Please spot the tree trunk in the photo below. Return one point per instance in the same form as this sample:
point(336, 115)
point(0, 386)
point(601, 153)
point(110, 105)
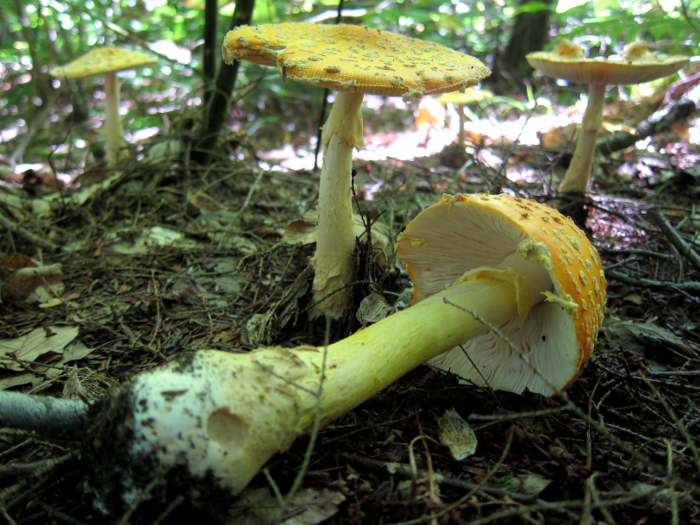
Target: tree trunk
point(530, 32)
point(210, 48)
point(225, 82)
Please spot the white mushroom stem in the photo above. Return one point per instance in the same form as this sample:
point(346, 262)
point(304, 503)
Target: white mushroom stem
point(333, 264)
point(113, 127)
point(460, 134)
point(579, 172)
point(227, 414)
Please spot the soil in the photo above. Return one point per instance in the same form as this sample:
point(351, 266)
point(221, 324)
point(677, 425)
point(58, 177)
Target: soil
point(619, 447)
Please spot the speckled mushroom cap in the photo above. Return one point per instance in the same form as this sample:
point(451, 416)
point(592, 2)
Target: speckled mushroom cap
point(103, 60)
point(633, 66)
point(466, 232)
point(470, 96)
point(355, 58)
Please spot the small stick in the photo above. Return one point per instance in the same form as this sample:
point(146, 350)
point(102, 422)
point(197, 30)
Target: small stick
point(22, 232)
point(687, 287)
point(675, 238)
point(47, 415)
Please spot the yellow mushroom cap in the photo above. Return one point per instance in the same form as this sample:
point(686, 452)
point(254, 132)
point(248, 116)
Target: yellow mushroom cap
point(103, 60)
point(470, 96)
point(463, 233)
point(355, 59)
point(634, 66)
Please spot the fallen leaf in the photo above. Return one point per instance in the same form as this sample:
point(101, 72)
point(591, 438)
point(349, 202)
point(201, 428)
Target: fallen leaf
point(457, 435)
point(35, 344)
point(373, 308)
point(307, 507)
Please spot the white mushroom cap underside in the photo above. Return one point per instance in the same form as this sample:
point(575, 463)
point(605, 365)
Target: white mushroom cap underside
point(611, 71)
point(548, 340)
point(458, 235)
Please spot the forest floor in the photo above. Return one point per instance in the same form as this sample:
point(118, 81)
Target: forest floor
point(164, 258)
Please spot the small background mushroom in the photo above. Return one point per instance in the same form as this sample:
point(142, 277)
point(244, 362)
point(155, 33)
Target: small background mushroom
point(107, 61)
point(633, 66)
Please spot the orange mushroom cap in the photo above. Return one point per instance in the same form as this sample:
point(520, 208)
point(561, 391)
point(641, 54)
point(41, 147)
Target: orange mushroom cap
point(355, 58)
point(466, 232)
point(634, 66)
point(103, 60)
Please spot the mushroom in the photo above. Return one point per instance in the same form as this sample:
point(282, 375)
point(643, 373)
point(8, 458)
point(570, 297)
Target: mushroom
point(214, 418)
point(462, 100)
point(471, 235)
point(633, 66)
point(107, 61)
point(352, 60)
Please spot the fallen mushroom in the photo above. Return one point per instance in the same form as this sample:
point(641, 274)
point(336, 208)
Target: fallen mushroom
point(107, 61)
point(352, 60)
point(633, 66)
point(440, 246)
point(208, 421)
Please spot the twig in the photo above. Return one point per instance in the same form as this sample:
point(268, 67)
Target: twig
point(405, 472)
point(47, 415)
point(634, 251)
point(22, 232)
point(676, 373)
point(679, 425)
point(657, 123)
point(675, 238)
point(686, 287)
point(62, 516)
point(299, 478)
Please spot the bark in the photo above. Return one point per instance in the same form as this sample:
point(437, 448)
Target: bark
point(530, 33)
point(210, 48)
point(221, 97)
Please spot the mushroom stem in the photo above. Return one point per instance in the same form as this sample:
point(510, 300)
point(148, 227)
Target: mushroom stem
point(579, 172)
point(333, 264)
point(114, 131)
point(461, 142)
point(225, 414)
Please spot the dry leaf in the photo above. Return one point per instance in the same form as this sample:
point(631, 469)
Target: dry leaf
point(373, 308)
point(259, 507)
point(35, 344)
point(457, 435)
point(20, 277)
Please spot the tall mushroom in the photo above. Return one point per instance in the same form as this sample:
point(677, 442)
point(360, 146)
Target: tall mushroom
point(107, 61)
point(633, 66)
point(214, 418)
point(352, 60)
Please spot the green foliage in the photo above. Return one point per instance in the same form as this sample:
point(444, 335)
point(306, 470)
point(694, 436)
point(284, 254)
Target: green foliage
point(53, 32)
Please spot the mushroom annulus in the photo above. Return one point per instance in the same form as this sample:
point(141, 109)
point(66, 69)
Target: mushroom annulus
point(354, 61)
point(212, 418)
point(107, 61)
point(633, 66)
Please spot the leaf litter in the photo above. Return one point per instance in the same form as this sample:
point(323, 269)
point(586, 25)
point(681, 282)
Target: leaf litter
point(165, 258)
